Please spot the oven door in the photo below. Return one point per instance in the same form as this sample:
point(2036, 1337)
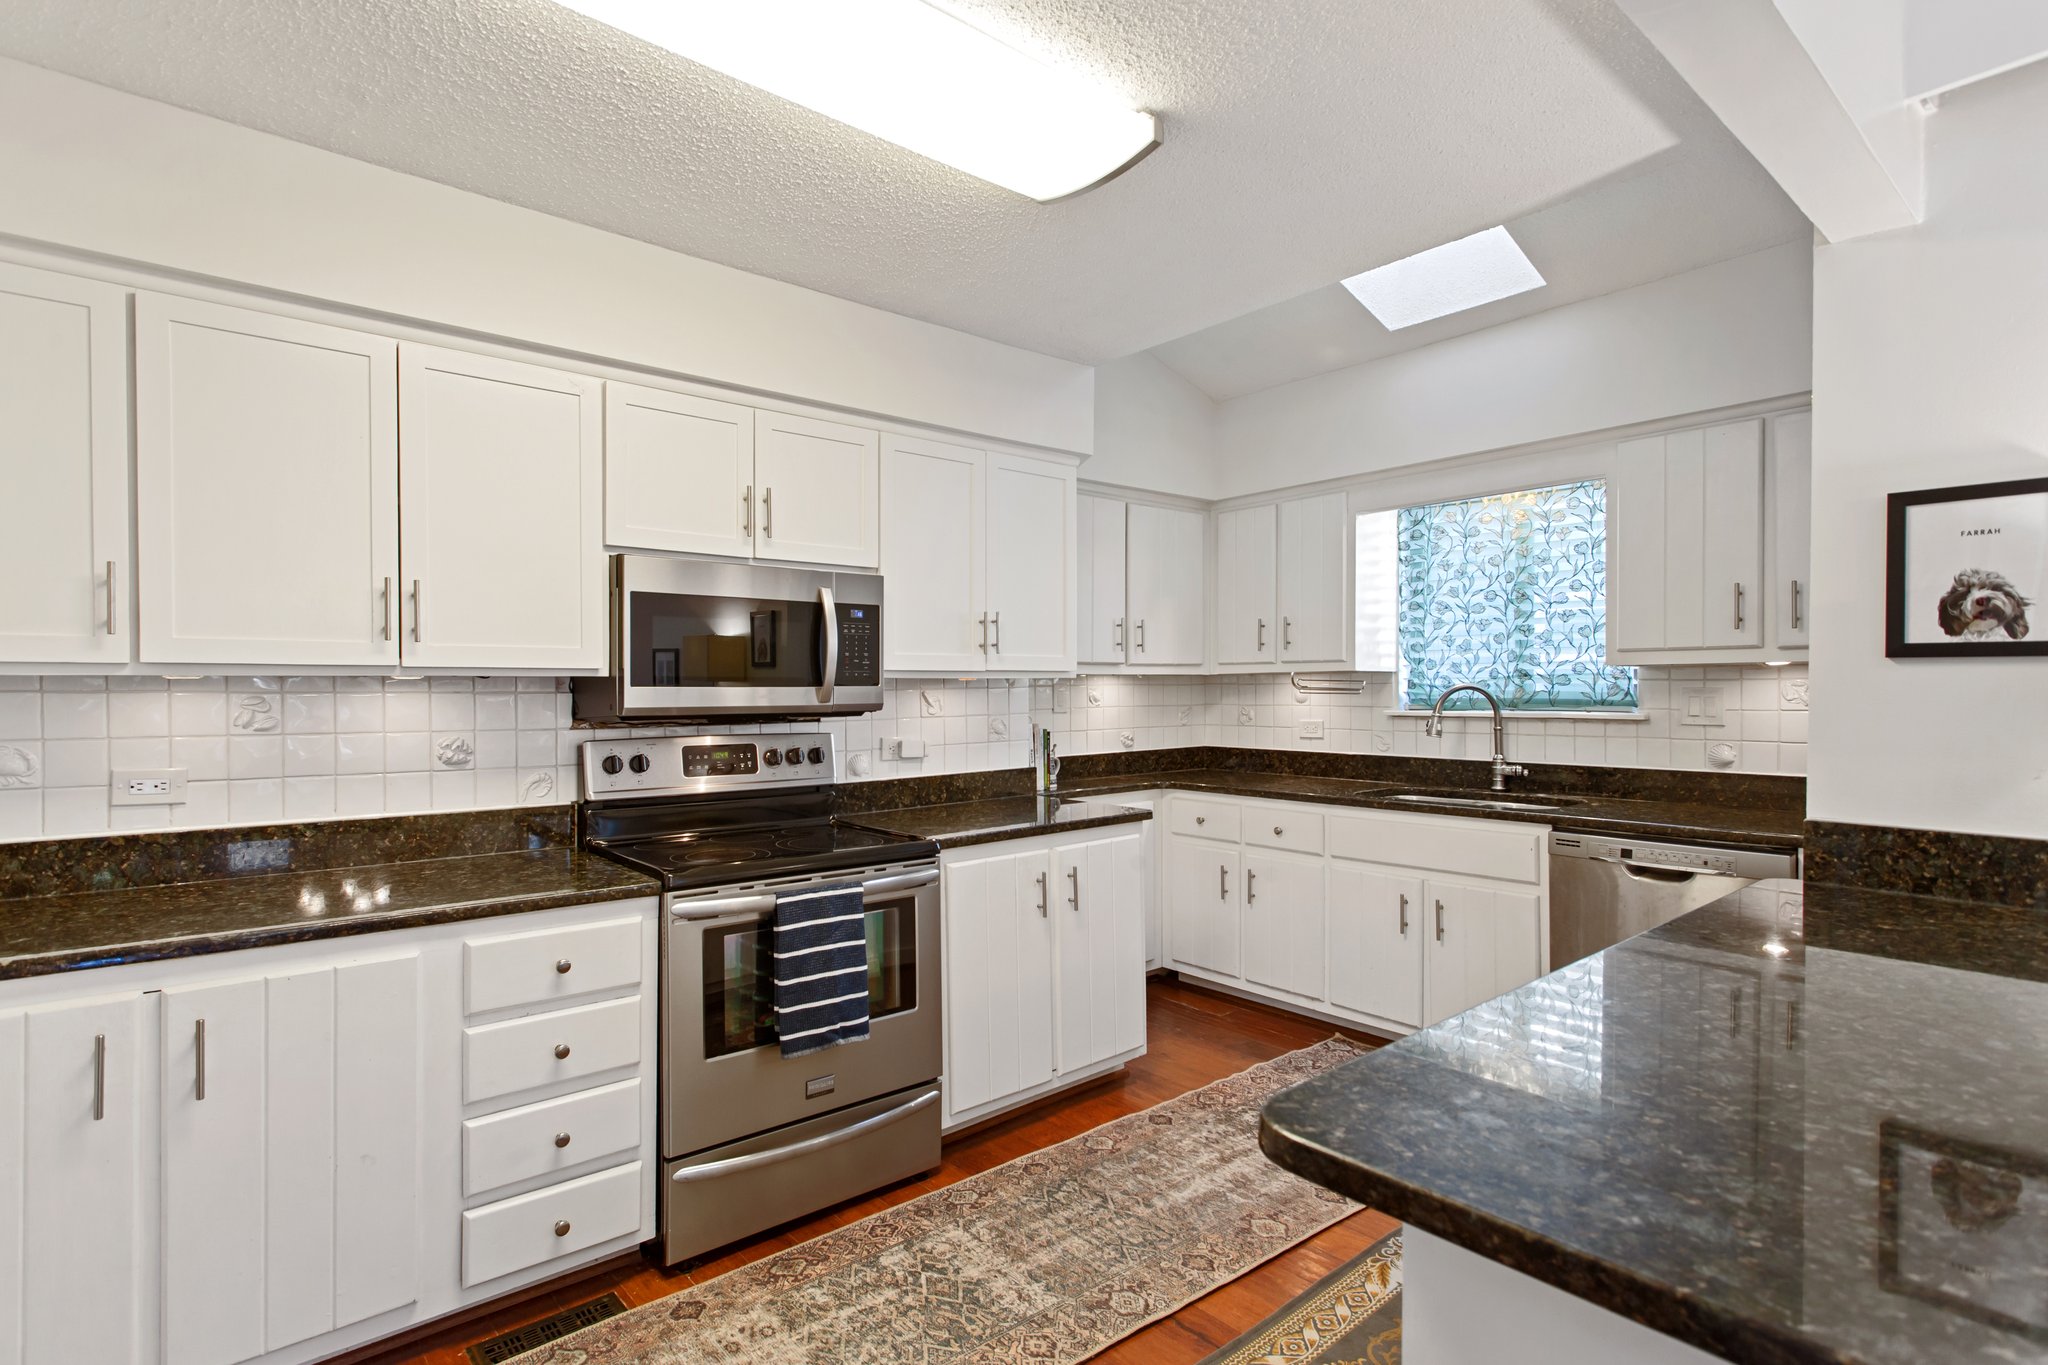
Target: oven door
point(703, 639)
point(724, 1073)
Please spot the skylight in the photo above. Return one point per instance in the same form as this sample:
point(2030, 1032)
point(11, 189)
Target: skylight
point(1446, 279)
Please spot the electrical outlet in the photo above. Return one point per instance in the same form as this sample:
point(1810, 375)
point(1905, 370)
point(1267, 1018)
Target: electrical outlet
point(1309, 729)
point(899, 747)
point(1700, 706)
point(148, 787)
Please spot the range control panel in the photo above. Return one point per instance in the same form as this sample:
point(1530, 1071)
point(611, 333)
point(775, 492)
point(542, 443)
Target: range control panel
point(678, 765)
point(860, 645)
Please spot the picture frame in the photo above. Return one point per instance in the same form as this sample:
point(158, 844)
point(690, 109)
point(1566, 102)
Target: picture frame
point(1953, 1215)
point(763, 632)
point(1963, 566)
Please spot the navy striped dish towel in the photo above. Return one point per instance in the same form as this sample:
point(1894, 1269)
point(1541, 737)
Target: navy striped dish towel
point(821, 968)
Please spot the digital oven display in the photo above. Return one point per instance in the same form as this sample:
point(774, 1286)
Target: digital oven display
point(720, 761)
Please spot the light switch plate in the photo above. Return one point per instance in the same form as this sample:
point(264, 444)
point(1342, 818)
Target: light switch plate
point(147, 787)
point(1700, 706)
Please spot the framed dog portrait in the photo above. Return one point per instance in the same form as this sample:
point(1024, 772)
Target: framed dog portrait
point(1964, 567)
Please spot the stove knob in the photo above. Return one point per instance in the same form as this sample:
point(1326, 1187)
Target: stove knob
point(772, 757)
point(817, 755)
point(794, 755)
point(612, 764)
point(640, 763)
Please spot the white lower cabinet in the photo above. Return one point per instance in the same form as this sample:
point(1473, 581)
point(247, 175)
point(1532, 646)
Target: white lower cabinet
point(1376, 938)
point(1283, 922)
point(1044, 967)
point(1201, 884)
point(1483, 940)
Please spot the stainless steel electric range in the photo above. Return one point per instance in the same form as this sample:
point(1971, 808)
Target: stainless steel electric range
point(749, 1138)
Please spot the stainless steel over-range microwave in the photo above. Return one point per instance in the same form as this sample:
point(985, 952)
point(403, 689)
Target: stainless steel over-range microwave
point(693, 640)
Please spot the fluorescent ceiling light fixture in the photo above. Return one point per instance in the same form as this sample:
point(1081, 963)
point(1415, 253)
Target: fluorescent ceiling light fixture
point(910, 74)
point(1446, 279)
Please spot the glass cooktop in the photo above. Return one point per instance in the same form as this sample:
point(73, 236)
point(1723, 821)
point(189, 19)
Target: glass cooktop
point(716, 857)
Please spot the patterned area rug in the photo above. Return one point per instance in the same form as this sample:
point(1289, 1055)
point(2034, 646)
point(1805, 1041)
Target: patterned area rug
point(1044, 1260)
point(1352, 1317)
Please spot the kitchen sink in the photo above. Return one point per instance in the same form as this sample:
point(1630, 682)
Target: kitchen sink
point(1459, 802)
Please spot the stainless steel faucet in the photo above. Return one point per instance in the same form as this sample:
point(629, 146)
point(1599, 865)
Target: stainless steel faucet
point(1502, 769)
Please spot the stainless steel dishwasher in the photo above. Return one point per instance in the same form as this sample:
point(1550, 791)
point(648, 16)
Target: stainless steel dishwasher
point(1605, 888)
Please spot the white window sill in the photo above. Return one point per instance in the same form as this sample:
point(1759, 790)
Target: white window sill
point(1487, 716)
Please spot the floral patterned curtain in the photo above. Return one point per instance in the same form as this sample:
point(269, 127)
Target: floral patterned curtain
point(1509, 592)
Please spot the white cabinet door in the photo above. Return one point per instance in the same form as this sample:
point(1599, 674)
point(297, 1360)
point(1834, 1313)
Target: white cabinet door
point(1030, 565)
point(998, 977)
point(502, 548)
point(266, 478)
point(1101, 596)
point(72, 1162)
point(1376, 934)
point(1202, 888)
point(1283, 923)
point(1168, 601)
point(1315, 549)
point(1685, 560)
point(818, 486)
point(678, 472)
point(65, 568)
point(1483, 940)
point(1791, 505)
point(1732, 532)
point(1247, 592)
point(1100, 932)
point(934, 556)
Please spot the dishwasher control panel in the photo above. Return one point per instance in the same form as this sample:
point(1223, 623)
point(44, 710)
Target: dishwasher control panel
point(1757, 863)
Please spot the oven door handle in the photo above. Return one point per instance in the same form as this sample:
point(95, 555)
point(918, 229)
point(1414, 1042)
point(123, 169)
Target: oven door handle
point(829, 609)
point(740, 907)
point(712, 1170)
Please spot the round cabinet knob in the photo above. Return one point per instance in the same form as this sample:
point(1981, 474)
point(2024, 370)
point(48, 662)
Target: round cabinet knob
point(561, 1139)
point(561, 1052)
point(793, 755)
point(640, 763)
point(1201, 819)
point(816, 755)
point(562, 1227)
point(1278, 831)
point(613, 764)
point(772, 757)
point(562, 966)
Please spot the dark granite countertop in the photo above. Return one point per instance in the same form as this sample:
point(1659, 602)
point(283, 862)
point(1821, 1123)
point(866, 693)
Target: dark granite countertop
point(1780, 1140)
point(1758, 825)
point(961, 823)
point(40, 935)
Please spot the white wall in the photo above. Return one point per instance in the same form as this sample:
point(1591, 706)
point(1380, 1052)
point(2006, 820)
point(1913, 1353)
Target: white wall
point(91, 169)
point(1734, 332)
point(1153, 429)
point(1930, 370)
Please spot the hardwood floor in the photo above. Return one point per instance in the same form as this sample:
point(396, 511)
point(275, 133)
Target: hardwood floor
point(1195, 1037)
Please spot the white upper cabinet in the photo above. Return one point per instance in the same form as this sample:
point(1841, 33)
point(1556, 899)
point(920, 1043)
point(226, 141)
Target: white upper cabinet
point(978, 558)
point(1315, 620)
point(678, 472)
point(1685, 567)
point(503, 541)
point(1247, 585)
point(934, 558)
point(1101, 628)
point(266, 488)
point(1789, 493)
point(1166, 606)
point(65, 567)
point(818, 491)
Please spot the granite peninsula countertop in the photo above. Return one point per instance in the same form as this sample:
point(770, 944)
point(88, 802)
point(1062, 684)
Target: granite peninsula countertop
point(40, 935)
point(1780, 1139)
point(1652, 819)
point(962, 823)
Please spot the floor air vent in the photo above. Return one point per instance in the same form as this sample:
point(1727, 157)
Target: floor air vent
point(554, 1327)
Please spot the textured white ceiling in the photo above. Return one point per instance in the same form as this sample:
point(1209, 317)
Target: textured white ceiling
point(1305, 140)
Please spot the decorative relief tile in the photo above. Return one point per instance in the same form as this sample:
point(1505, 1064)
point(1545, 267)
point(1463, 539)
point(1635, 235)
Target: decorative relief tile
point(255, 714)
point(456, 751)
point(18, 767)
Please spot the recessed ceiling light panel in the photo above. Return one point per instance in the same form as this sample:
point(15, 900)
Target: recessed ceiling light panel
point(1446, 279)
point(910, 74)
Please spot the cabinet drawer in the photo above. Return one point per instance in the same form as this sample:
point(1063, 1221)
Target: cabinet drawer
point(531, 1229)
point(519, 1054)
point(520, 1144)
point(550, 964)
point(1290, 827)
point(1473, 848)
point(1205, 819)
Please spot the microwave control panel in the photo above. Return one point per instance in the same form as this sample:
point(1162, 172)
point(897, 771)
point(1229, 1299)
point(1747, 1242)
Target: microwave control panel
point(860, 645)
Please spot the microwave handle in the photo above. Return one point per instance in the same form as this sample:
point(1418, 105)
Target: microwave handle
point(830, 610)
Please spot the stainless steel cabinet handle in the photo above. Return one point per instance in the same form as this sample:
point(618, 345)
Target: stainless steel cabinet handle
point(387, 608)
point(415, 611)
point(198, 1059)
point(1262, 633)
point(110, 597)
point(99, 1076)
point(562, 1227)
point(1286, 632)
point(1738, 606)
point(562, 966)
point(1735, 1012)
point(1141, 636)
point(997, 619)
point(1222, 881)
point(1798, 608)
point(1791, 1025)
point(1439, 921)
point(1119, 632)
point(561, 1139)
point(1251, 881)
point(768, 513)
point(1074, 887)
point(1044, 895)
point(561, 1052)
point(984, 632)
point(747, 511)
point(1404, 917)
